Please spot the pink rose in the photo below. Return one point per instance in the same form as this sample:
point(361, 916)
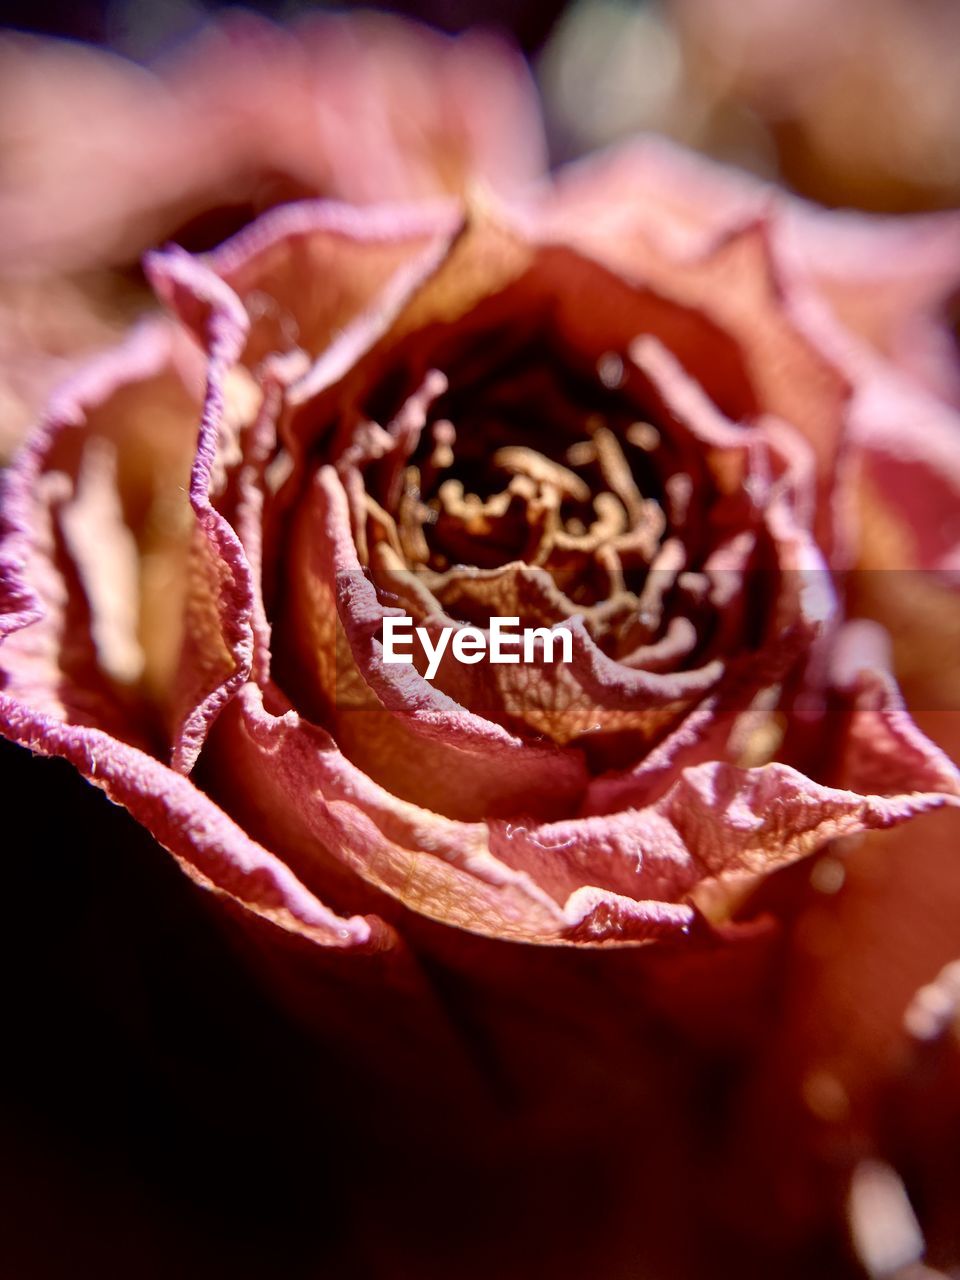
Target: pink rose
point(632, 405)
point(407, 407)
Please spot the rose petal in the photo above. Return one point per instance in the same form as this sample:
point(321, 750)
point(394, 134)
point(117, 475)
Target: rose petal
point(727, 266)
point(305, 271)
point(888, 281)
point(218, 637)
point(327, 815)
point(885, 279)
point(329, 812)
point(407, 733)
point(211, 848)
point(132, 411)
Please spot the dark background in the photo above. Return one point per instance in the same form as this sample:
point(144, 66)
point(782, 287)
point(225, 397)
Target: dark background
point(114, 24)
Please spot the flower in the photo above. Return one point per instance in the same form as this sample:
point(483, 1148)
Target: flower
point(712, 431)
point(600, 408)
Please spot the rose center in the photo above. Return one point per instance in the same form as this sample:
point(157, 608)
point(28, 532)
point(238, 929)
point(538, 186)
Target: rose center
point(582, 517)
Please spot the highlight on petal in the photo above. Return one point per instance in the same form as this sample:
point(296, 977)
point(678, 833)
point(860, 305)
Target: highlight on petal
point(328, 814)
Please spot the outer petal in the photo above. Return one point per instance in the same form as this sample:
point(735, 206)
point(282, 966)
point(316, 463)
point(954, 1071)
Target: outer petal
point(134, 601)
point(74, 708)
point(403, 112)
point(210, 847)
point(330, 817)
point(321, 242)
point(218, 645)
point(304, 273)
point(886, 279)
point(724, 265)
point(598, 879)
point(72, 555)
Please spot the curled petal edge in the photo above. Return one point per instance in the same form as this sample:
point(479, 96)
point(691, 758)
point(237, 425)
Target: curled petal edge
point(208, 845)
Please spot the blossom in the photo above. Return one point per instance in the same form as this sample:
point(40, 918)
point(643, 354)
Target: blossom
point(592, 407)
point(709, 430)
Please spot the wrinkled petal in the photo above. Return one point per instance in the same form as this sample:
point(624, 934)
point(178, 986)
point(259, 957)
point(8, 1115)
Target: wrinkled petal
point(109, 461)
point(887, 280)
point(212, 849)
point(335, 813)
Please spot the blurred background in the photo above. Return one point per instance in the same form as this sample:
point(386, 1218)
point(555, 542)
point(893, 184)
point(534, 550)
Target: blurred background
point(124, 124)
point(849, 103)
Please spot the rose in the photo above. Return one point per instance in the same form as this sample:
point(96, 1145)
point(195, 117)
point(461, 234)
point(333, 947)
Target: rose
point(608, 801)
point(199, 565)
point(101, 158)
